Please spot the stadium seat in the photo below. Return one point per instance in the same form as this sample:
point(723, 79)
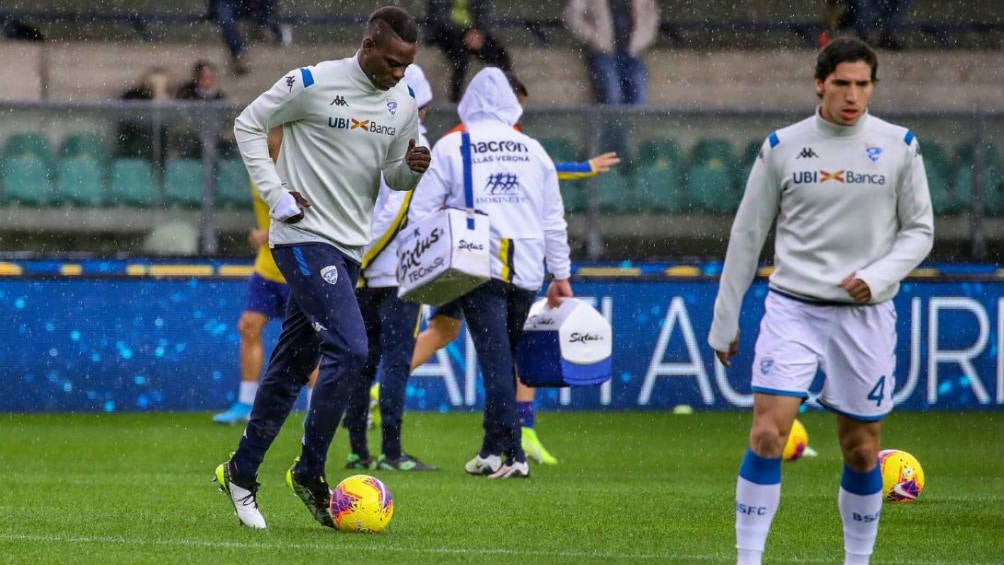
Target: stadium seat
point(615, 193)
point(233, 187)
point(710, 181)
point(939, 178)
point(90, 145)
point(574, 194)
point(660, 165)
point(132, 183)
point(80, 180)
point(661, 152)
point(35, 144)
point(708, 149)
point(992, 177)
point(560, 149)
point(711, 187)
point(658, 189)
point(183, 182)
point(26, 180)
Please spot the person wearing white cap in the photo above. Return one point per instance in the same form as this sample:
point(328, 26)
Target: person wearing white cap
point(390, 323)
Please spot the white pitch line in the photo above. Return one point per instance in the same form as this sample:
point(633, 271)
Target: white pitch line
point(381, 548)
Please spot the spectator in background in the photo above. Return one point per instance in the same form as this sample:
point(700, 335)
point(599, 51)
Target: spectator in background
point(462, 28)
point(137, 135)
point(262, 12)
point(615, 34)
point(186, 142)
point(866, 16)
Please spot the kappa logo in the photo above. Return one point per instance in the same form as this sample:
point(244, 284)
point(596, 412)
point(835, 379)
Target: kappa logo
point(363, 125)
point(290, 81)
point(339, 101)
point(330, 274)
point(807, 153)
point(826, 175)
point(318, 327)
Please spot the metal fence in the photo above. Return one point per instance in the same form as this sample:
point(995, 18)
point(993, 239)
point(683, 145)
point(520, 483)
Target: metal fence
point(70, 182)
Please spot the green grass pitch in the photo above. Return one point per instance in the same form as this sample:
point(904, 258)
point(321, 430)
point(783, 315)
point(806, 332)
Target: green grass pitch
point(631, 487)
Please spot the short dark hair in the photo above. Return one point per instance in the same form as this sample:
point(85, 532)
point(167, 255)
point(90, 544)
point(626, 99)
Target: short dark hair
point(396, 20)
point(845, 50)
point(518, 88)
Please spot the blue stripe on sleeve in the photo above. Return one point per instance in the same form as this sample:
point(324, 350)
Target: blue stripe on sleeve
point(773, 140)
point(573, 167)
point(411, 92)
point(308, 77)
point(760, 470)
point(909, 137)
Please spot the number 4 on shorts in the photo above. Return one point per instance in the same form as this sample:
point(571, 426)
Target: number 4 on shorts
point(878, 391)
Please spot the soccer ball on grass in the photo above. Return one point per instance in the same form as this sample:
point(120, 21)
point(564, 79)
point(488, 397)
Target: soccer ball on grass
point(902, 476)
point(361, 503)
point(798, 440)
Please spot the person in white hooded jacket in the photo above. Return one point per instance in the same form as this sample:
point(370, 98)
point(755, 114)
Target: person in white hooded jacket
point(390, 323)
point(516, 185)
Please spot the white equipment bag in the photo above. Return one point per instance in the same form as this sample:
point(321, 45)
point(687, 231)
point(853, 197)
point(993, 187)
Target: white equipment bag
point(566, 346)
point(446, 254)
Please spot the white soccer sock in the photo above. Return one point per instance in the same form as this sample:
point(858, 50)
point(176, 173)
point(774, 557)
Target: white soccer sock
point(758, 493)
point(247, 391)
point(860, 511)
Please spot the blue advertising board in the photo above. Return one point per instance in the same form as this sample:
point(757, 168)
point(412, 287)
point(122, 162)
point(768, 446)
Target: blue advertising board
point(118, 343)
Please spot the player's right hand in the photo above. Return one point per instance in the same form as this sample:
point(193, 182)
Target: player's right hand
point(725, 356)
point(290, 208)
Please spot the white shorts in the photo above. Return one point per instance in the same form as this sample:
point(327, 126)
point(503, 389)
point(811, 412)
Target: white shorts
point(855, 346)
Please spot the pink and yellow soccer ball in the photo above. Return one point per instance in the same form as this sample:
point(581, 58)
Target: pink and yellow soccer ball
point(798, 440)
point(902, 476)
point(361, 503)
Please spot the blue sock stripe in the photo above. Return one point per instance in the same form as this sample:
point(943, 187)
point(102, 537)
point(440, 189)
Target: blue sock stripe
point(760, 470)
point(301, 261)
point(856, 482)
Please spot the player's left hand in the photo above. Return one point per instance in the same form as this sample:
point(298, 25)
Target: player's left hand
point(557, 291)
point(418, 158)
point(856, 289)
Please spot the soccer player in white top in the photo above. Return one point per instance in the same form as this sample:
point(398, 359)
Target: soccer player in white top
point(849, 194)
point(516, 185)
point(344, 124)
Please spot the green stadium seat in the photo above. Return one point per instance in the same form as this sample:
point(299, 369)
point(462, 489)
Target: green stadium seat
point(658, 189)
point(660, 152)
point(708, 149)
point(26, 180)
point(233, 186)
point(574, 195)
point(183, 182)
point(711, 187)
point(28, 144)
point(132, 183)
point(615, 193)
point(80, 180)
point(560, 149)
point(939, 178)
point(992, 177)
point(90, 145)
